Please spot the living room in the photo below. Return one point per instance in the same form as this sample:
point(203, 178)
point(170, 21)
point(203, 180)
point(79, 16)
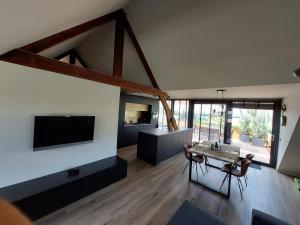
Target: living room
point(149, 112)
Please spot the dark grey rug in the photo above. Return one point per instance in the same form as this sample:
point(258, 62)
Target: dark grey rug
point(188, 214)
point(255, 166)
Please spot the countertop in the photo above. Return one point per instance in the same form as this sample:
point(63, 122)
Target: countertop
point(135, 124)
point(160, 132)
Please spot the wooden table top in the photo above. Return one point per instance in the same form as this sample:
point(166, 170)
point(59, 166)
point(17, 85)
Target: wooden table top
point(228, 153)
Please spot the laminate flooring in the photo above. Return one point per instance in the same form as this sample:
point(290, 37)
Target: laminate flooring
point(152, 194)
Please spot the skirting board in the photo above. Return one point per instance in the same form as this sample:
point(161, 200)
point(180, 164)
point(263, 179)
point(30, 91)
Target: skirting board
point(92, 177)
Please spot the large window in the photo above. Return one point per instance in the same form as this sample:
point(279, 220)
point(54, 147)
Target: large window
point(180, 111)
point(181, 108)
point(162, 119)
point(209, 122)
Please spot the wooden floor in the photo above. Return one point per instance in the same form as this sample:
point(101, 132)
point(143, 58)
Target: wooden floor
point(151, 195)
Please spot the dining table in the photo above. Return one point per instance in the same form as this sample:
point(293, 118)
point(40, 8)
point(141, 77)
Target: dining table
point(225, 153)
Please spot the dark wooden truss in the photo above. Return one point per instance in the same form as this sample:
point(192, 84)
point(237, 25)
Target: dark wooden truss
point(28, 56)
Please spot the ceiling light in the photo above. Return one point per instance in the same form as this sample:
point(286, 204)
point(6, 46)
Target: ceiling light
point(220, 92)
point(220, 97)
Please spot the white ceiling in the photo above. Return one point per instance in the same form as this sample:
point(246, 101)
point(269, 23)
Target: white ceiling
point(264, 91)
point(23, 22)
point(192, 46)
point(196, 44)
point(66, 45)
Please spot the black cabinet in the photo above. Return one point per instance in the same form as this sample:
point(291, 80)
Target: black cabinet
point(128, 133)
point(41, 196)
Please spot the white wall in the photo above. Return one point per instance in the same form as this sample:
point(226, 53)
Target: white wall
point(26, 92)
point(293, 111)
point(290, 163)
point(288, 160)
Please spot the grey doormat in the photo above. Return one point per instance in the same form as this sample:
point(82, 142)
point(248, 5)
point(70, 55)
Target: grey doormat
point(255, 166)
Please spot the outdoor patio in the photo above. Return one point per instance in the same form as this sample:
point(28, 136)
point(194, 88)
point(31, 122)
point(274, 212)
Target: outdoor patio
point(262, 154)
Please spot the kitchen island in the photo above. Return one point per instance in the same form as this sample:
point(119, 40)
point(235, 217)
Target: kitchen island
point(157, 145)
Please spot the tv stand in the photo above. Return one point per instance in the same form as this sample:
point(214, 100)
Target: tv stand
point(41, 196)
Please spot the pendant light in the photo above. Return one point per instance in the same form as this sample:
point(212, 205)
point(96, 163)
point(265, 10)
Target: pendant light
point(220, 96)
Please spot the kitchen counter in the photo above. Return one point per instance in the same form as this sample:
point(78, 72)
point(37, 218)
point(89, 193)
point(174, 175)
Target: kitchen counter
point(157, 145)
point(135, 124)
point(160, 132)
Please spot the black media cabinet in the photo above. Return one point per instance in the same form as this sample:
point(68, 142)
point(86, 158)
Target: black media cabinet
point(41, 196)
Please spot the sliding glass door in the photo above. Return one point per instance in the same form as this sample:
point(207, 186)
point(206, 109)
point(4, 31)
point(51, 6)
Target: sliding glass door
point(180, 110)
point(162, 119)
point(209, 122)
point(252, 130)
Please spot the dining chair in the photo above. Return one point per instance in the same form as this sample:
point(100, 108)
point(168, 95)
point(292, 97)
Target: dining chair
point(231, 169)
point(205, 157)
point(250, 157)
point(195, 143)
point(196, 159)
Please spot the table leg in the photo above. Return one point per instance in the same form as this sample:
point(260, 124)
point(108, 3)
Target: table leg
point(229, 186)
point(190, 168)
point(223, 193)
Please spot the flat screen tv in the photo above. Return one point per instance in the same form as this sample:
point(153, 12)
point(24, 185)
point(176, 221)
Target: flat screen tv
point(58, 130)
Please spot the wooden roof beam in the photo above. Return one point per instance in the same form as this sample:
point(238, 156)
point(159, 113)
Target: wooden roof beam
point(139, 51)
point(119, 45)
point(57, 38)
point(29, 59)
point(27, 56)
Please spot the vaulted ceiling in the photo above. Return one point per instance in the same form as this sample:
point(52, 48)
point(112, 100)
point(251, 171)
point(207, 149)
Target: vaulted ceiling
point(192, 44)
point(23, 22)
point(197, 44)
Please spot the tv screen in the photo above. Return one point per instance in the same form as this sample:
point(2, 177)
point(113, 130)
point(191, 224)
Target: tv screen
point(57, 130)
